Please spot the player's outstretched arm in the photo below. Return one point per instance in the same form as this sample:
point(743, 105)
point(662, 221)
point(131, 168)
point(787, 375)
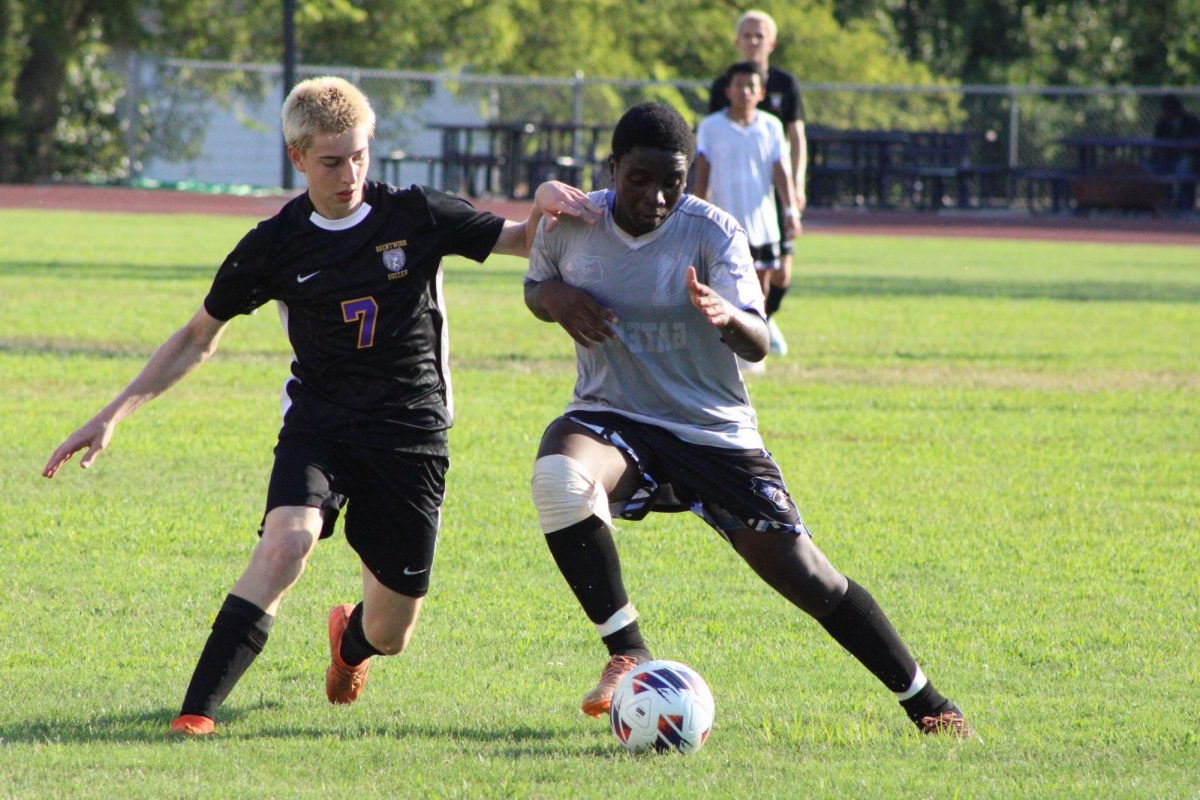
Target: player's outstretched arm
point(552, 200)
point(186, 349)
point(575, 310)
point(743, 331)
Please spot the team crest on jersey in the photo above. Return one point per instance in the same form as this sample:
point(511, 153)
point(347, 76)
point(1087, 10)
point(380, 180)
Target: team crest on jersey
point(394, 258)
point(776, 99)
point(774, 492)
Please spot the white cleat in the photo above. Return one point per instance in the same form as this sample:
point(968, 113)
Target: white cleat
point(778, 343)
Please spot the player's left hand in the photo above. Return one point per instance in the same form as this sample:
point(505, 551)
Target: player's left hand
point(556, 198)
point(791, 227)
point(707, 301)
point(801, 206)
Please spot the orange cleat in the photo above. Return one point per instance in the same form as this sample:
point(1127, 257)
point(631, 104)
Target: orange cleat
point(343, 683)
point(192, 725)
point(597, 702)
point(948, 723)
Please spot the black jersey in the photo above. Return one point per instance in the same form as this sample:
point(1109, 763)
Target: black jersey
point(782, 96)
point(361, 301)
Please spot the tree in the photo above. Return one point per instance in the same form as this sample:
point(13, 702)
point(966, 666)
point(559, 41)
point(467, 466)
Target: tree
point(1063, 42)
point(45, 58)
point(63, 76)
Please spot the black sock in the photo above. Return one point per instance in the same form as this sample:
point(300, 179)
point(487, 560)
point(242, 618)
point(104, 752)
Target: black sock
point(926, 703)
point(627, 642)
point(775, 298)
point(239, 634)
point(355, 647)
point(587, 557)
point(859, 625)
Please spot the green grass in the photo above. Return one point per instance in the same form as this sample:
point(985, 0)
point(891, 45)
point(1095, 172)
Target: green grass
point(998, 439)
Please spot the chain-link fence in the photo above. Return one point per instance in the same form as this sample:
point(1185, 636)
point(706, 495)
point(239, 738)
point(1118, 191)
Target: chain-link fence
point(218, 123)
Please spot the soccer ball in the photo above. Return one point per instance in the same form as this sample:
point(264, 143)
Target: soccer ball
point(662, 705)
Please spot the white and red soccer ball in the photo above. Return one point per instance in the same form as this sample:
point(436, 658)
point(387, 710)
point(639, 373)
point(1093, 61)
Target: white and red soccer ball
point(664, 706)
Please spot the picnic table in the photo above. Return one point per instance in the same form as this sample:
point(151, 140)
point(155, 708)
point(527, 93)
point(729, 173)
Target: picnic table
point(508, 159)
point(852, 161)
point(1093, 152)
point(1119, 172)
point(925, 169)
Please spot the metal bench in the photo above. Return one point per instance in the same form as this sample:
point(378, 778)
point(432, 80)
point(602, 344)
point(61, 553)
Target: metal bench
point(929, 165)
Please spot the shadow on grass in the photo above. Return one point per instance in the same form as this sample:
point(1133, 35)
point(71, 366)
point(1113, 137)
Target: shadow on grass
point(511, 742)
point(116, 272)
point(151, 727)
point(72, 348)
point(41, 347)
point(147, 726)
point(1080, 291)
point(890, 286)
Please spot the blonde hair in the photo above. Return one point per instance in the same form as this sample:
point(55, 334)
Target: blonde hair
point(324, 105)
point(762, 17)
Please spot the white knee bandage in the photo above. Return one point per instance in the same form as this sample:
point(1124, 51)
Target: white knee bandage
point(564, 493)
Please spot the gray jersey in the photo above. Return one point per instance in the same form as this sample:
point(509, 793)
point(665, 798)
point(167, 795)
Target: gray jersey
point(667, 365)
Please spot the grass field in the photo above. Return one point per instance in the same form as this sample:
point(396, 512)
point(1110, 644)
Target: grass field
point(999, 439)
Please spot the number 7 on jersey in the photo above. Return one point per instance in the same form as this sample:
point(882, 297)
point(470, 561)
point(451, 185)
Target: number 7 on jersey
point(364, 311)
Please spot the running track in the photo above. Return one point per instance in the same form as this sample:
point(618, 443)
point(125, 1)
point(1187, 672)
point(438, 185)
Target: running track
point(1116, 229)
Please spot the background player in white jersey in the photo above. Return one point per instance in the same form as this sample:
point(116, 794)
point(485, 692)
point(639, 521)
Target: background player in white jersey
point(355, 266)
point(742, 164)
point(659, 296)
point(754, 36)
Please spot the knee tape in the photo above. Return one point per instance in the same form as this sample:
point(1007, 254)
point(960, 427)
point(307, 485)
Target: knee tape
point(564, 493)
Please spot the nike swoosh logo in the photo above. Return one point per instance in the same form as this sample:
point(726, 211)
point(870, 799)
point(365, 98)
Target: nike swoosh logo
point(408, 571)
point(303, 278)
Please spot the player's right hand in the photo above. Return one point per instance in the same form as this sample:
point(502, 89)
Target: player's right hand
point(95, 436)
point(577, 312)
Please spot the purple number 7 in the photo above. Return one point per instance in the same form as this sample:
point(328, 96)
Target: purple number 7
point(363, 311)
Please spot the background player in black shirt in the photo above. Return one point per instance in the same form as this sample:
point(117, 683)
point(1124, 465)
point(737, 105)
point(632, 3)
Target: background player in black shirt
point(754, 37)
point(355, 266)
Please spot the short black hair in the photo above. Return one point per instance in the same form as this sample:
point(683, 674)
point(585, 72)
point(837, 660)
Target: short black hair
point(654, 125)
point(745, 68)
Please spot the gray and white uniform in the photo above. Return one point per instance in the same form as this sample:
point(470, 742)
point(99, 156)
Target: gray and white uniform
point(667, 365)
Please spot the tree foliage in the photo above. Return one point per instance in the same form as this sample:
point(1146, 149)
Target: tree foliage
point(1044, 42)
point(63, 78)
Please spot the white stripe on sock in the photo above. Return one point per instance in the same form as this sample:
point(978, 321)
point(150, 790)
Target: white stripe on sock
point(918, 683)
point(623, 616)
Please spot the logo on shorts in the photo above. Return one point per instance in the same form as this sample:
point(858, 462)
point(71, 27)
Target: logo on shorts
point(774, 492)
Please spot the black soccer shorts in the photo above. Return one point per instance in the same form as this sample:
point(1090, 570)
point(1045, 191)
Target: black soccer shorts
point(392, 499)
point(766, 256)
point(728, 488)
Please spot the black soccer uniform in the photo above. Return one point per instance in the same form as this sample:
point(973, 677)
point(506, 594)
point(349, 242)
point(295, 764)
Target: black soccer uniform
point(368, 403)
